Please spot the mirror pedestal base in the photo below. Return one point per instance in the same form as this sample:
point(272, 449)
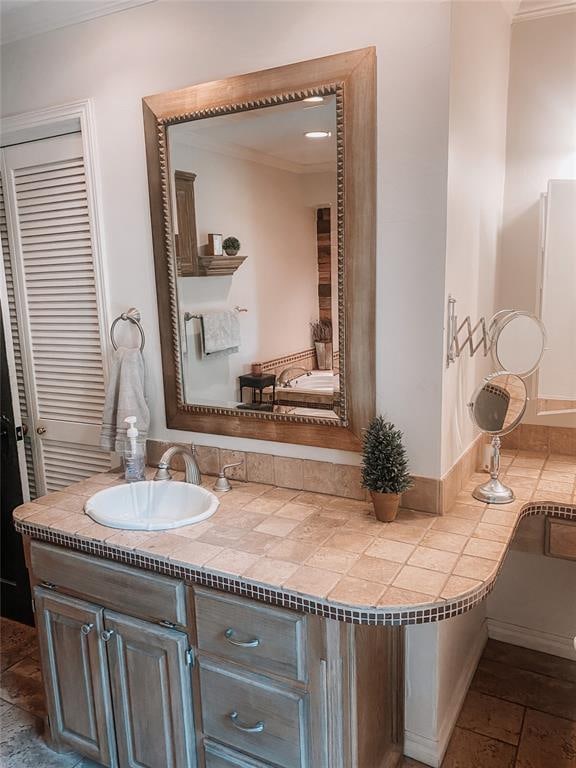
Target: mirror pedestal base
point(493, 492)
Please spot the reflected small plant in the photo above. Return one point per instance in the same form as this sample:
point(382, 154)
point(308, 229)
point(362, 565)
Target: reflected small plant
point(321, 331)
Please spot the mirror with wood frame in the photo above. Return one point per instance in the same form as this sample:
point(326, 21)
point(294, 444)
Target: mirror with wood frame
point(262, 195)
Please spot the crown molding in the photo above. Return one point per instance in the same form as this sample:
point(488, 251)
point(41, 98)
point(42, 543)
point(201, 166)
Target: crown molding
point(36, 18)
point(538, 10)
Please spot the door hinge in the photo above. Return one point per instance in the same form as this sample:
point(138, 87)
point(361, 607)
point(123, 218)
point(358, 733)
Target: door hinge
point(19, 434)
point(189, 656)
point(33, 605)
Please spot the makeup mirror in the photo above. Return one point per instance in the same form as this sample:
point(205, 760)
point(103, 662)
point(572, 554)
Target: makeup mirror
point(497, 408)
point(518, 341)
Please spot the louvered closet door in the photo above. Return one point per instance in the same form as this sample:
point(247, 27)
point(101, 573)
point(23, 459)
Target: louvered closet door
point(57, 307)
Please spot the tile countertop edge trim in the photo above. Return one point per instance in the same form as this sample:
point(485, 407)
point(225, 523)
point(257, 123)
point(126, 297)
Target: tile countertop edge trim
point(384, 616)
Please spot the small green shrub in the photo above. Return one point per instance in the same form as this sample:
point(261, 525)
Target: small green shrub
point(384, 461)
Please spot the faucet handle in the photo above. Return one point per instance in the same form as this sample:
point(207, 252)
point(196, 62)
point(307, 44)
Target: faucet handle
point(222, 483)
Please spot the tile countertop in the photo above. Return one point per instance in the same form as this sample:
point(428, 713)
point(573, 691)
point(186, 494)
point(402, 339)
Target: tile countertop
point(326, 554)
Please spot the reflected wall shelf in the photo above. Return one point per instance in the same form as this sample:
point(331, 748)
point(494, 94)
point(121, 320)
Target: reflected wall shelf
point(215, 266)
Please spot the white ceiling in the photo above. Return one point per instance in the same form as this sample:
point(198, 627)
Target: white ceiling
point(532, 9)
point(273, 135)
point(24, 18)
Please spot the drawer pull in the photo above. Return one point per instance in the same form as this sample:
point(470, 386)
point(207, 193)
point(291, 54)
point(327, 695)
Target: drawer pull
point(106, 634)
point(229, 635)
point(256, 728)
point(86, 629)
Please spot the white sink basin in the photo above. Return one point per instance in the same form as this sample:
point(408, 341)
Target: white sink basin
point(151, 505)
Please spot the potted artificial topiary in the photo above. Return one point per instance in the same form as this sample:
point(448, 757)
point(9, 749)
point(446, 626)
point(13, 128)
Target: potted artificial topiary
point(384, 467)
point(231, 246)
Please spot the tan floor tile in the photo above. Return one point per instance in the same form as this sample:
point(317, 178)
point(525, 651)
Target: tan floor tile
point(374, 569)
point(350, 542)
point(559, 498)
point(454, 525)
point(312, 581)
point(396, 551)
point(532, 661)
point(492, 717)
point(21, 685)
point(474, 567)
point(491, 550)
point(459, 585)
point(292, 551)
point(16, 641)
point(547, 742)
point(420, 580)
point(447, 542)
point(547, 694)
point(244, 519)
point(410, 534)
point(468, 500)
point(543, 485)
point(196, 530)
point(294, 511)
point(471, 750)
point(129, 539)
point(268, 570)
point(356, 592)
point(314, 499)
point(332, 559)
point(434, 559)
point(231, 562)
point(277, 526)
point(396, 596)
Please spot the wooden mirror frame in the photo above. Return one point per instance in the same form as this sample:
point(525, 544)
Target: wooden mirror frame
point(351, 76)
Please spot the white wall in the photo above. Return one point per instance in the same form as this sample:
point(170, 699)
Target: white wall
point(480, 46)
point(441, 659)
point(541, 145)
point(118, 59)
point(534, 603)
point(275, 220)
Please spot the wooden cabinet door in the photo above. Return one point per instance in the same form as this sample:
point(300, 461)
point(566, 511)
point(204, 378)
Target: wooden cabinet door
point(75, 675)
point(151, 693)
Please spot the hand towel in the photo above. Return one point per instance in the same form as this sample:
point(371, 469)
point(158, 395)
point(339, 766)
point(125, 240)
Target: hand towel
point(124, 397)
point(220, 331)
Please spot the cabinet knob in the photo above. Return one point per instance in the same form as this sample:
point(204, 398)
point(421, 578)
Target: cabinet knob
point(240, 726)
point(41, 430)
point(86, 628)
point(106, 634)
point(229, 635)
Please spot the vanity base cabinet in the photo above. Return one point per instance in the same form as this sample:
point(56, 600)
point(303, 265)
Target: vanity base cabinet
point(118, 689)
point(75, 675)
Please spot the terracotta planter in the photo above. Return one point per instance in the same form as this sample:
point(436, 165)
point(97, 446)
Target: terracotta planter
point(385, 505)
point(231, 251)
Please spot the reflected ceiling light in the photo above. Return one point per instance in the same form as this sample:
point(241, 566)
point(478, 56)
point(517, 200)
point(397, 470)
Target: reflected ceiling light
point(317, 134)
point(314, 99)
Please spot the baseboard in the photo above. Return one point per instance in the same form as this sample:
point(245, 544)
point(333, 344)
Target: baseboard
point(431, 751)
point(535, 639)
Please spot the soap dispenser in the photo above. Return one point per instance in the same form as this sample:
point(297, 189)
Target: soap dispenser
point(134, 453)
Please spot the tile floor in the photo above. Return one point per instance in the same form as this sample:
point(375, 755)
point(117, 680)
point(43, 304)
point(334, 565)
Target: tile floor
point(520, 711)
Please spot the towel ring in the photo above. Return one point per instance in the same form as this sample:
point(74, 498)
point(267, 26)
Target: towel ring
point(133, 315)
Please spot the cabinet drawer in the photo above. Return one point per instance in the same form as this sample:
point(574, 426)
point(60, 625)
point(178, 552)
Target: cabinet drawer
point(263, 638)
point(131, 590)
point(254, 715)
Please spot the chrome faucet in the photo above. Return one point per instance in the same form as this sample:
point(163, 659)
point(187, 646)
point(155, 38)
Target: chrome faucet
point(191, 466)
point(284, 378)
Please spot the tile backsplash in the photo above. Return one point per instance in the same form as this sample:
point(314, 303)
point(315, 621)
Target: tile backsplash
point(300, 474)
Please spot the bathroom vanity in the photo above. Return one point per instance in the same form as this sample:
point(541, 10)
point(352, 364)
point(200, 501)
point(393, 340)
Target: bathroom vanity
point(165, 649)
point(143, 669)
